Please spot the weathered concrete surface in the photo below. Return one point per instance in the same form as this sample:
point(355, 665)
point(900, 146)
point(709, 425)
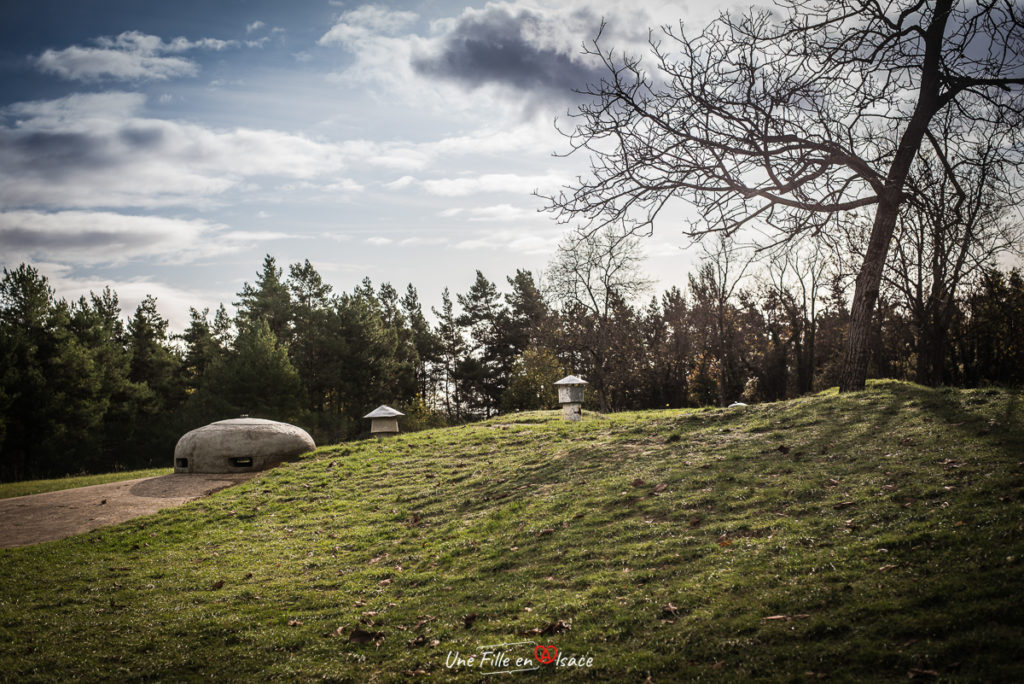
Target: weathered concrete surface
point(54, 515)
point(239, 445)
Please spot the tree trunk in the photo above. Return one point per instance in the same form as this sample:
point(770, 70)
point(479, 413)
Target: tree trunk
point(855, 360)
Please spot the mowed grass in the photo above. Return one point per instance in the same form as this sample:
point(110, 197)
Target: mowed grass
point(874, 536)
point(9, 489)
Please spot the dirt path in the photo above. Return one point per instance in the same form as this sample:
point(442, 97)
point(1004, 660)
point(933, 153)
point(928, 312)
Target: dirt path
point(54, 515)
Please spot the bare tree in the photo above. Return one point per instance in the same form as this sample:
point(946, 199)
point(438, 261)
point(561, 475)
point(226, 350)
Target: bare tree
point(958, 225)
point(797, 277)
point(714, 287)
point(788, 124)
point(591, 277)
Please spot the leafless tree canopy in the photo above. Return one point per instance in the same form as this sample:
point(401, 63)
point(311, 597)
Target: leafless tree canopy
point(785, 121)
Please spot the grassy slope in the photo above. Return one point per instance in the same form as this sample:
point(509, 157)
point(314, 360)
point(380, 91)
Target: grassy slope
point(9, 489)
point(889, 536)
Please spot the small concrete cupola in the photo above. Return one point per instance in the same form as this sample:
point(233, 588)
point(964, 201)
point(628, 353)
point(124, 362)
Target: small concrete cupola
point(384, 420)
point(239, 445)
point(570, 396)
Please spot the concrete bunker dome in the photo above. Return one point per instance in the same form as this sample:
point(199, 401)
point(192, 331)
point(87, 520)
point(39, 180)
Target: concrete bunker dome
point(239, 445)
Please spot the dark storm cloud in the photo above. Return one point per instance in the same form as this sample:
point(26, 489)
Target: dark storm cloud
point(495, 46)
point(31, 239)
point(54, 155)
point(143, 138)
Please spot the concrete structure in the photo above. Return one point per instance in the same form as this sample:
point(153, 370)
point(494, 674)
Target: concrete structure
point(570, 396)
point(239, 445)
point(384, 420)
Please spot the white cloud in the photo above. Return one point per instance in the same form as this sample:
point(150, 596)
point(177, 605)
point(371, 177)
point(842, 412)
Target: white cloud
point(130, 56)
point(502, 213)
point(366, 22)
point(422, 241)
point(99, 151)
point(492, 182)
point(173, 302)
point(403, 182)
point(103, 237)
point(345, 185)
point(254, 26)
point(520, 241)
point(379, 241)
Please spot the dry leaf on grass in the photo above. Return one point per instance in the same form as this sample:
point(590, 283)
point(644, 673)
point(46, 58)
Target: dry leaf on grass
point(361, 636)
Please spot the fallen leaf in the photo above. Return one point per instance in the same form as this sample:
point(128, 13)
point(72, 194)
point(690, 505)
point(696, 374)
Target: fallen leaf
point(360, 604)
point(886, 568)
point(295, 623)
point(776, 617)
point(669, 610)
point(546, 531)
point(217, 585)
point(557, 627)
point(844, 504)
point(914, 673)
point(384, 582)
point(435, 643)
point(418, 641)
point(360, 636)
point(660, 487)
point(468, 620)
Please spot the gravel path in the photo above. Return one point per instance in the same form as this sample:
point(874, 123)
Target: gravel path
point(54, 515)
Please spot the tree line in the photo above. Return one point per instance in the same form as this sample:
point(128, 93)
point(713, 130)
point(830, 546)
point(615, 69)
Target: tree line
point(83, 389)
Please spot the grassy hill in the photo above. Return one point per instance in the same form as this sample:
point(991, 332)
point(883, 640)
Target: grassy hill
point(26, 487)
point(874, 536)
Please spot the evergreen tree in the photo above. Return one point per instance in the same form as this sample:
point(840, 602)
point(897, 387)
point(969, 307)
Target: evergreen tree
point(451, 351)
point(268, 300)
point(484, 371)
point(255, 378)
point(311, 315)
point(49, 380)
point(424, 340)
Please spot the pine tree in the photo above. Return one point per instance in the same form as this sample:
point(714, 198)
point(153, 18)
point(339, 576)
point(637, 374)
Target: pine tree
point(452, 350)
point(268, 300)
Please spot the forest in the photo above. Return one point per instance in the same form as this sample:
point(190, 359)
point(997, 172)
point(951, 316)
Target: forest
point(85, 388)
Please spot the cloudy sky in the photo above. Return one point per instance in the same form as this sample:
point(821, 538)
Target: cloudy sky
point(166, 147)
